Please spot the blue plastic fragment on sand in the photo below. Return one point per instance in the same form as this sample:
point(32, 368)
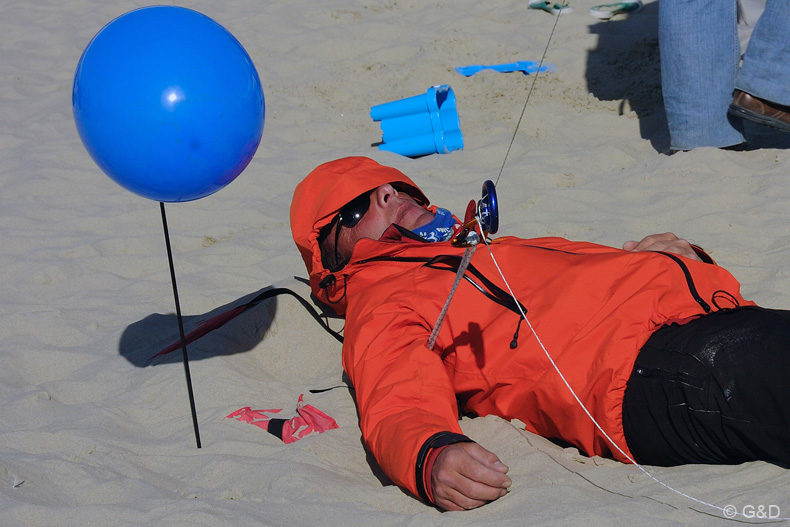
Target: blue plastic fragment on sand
point(525, 66)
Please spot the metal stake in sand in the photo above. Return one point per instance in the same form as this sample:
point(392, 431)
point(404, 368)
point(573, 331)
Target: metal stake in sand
point(180, 325)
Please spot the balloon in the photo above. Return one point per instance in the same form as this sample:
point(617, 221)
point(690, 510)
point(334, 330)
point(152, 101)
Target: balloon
point(168, 103)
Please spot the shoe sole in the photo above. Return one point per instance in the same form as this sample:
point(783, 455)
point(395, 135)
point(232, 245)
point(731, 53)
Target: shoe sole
point(759, 118)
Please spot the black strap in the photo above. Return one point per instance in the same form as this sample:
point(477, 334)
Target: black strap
point(310, 309)
point(275, 427)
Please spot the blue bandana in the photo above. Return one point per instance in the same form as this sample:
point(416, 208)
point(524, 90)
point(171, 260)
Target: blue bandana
point(440, 229)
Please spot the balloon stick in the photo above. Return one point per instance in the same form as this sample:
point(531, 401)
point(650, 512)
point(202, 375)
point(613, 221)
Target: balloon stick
point(180, 325)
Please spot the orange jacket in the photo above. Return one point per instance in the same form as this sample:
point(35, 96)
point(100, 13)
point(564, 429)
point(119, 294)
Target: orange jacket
point(592, 307)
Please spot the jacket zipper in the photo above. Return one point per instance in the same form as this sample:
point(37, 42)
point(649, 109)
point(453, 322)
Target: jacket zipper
point(689, 281)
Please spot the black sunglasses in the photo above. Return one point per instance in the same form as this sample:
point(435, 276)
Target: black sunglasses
point(348, 217)
point(352, 212)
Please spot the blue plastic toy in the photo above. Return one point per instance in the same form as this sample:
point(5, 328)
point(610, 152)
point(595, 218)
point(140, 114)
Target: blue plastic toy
point(420, 125)
point(168, 103)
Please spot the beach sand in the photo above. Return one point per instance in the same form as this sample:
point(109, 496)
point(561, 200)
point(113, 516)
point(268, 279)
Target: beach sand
point(92, 434)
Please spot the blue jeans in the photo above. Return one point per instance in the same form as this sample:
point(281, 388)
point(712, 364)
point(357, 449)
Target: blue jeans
point(700, 56)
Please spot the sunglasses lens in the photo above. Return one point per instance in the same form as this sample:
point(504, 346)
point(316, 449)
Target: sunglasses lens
point(353, 212)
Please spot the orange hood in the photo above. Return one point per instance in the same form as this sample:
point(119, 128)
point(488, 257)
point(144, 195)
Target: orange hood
point(319, 197)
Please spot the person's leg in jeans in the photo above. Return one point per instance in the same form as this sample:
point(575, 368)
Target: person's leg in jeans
point(700, 52)
point(714, 390)
point(765, 72)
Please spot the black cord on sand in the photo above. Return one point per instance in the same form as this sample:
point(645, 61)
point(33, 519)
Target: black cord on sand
point(529, 94)
point(180, 325)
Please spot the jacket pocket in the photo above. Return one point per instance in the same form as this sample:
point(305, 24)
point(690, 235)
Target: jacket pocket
point(671, 376)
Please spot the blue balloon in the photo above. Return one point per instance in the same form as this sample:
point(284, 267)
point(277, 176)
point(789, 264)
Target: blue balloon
point(168, 103)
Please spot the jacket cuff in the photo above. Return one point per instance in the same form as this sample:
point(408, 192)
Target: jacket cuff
point(428, 468)
point(437, 440)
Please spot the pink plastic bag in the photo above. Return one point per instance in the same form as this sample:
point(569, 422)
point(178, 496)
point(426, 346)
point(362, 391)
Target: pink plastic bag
point(309, 419)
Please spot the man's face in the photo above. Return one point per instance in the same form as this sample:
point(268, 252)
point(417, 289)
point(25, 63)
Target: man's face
point(387, 206)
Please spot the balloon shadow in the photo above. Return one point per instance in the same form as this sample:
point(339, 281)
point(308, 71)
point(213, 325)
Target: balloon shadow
point(143, 340)
point(233, 328)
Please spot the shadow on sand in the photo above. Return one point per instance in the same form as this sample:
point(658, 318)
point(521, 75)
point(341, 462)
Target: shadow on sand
point(236, 327)
point(625, 66)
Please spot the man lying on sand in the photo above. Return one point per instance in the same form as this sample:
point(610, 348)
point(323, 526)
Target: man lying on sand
point(655, 340)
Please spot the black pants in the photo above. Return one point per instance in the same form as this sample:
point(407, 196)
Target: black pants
point(715, 390)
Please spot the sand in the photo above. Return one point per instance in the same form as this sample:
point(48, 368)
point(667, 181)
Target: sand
point(92, 434)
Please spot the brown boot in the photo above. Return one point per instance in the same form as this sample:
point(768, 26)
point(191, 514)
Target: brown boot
point(760, 111)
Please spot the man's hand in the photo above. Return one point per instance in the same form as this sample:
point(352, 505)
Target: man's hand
point(466, 475)
point(666, 242)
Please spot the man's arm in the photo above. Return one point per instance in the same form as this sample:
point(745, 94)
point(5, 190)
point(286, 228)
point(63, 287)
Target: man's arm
point(408, 410)
point(407, 406)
